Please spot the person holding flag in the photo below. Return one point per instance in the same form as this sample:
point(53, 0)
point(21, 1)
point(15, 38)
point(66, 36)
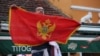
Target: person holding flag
point(39, 31)
point(48, 47)
point(40, 50)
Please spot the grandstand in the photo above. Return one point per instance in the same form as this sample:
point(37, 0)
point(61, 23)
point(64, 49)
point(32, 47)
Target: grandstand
point(29, 5)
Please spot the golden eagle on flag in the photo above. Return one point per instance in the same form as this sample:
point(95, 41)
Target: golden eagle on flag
point(45, 29)
point(27, 28)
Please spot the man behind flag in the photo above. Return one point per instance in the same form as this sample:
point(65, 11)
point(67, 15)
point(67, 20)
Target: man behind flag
point(36, 29)
point(46, 48)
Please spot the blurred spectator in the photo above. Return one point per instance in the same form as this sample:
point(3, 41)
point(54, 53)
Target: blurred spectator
point(87, 18)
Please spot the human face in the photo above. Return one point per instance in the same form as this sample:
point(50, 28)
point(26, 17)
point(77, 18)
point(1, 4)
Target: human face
point(40, 10)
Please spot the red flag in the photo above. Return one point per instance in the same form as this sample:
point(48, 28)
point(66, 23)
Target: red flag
point(28, 28)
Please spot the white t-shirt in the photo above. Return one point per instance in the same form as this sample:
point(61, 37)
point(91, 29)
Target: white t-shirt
point(20, 55)
point(86, 18)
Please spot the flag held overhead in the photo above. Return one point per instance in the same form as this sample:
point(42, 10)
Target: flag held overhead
point(27, 28)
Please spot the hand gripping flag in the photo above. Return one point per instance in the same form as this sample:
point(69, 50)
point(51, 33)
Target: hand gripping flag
point(27, 28)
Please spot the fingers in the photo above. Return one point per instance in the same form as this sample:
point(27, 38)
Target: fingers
point(13, 6)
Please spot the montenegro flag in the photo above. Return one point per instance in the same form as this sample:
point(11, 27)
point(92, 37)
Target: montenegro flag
point(27, 28)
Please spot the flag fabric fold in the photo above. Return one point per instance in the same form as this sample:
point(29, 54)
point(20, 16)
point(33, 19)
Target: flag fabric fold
point(27, 28)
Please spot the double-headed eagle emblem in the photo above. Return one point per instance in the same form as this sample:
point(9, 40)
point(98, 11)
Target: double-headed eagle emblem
point(45, 29)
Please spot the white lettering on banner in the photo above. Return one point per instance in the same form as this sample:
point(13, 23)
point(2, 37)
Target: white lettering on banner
point(21, 48)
